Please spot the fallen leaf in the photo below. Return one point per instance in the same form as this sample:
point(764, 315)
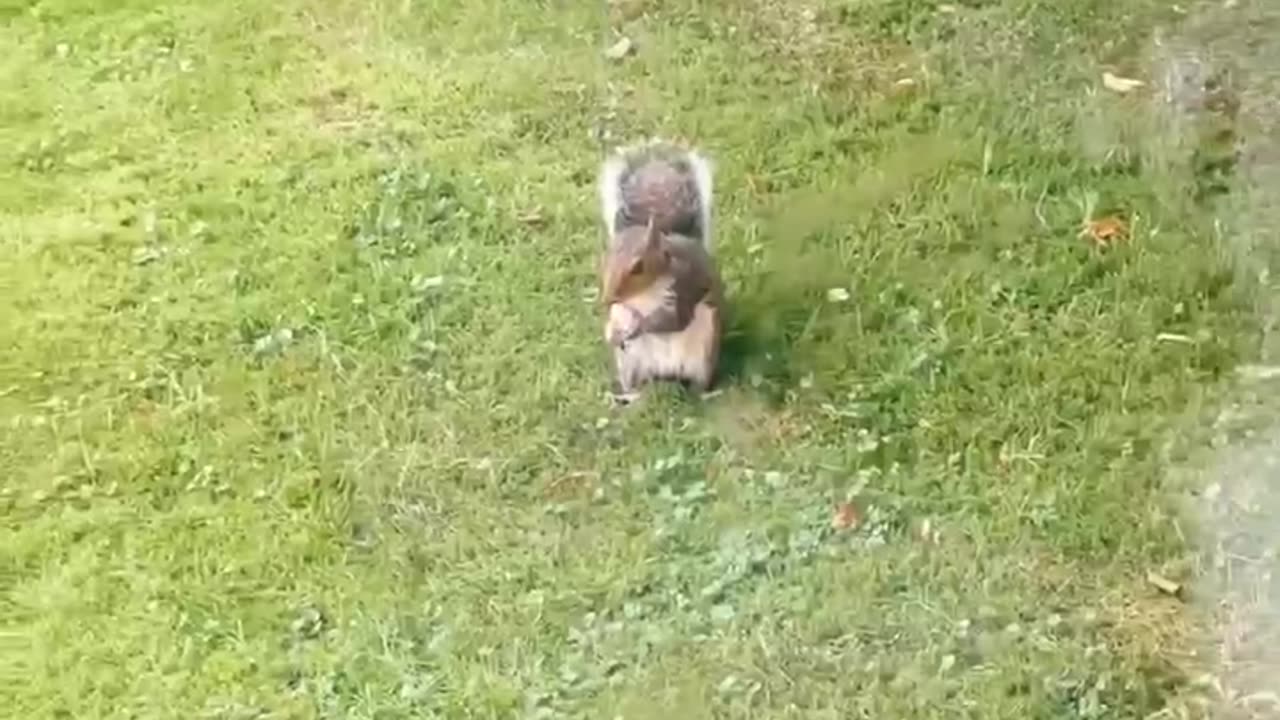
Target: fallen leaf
point(1105, 231)
point(846, 517)
point(620, 49)
point(1164, 585)
point(1122, 85)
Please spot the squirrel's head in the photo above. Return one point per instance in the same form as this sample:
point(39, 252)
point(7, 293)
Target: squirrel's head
point(635, 262)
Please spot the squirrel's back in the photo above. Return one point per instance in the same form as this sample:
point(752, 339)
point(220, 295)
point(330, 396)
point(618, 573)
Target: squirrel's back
point(661, 183)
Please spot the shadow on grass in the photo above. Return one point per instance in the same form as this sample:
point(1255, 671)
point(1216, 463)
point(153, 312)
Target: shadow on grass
point(773, 318)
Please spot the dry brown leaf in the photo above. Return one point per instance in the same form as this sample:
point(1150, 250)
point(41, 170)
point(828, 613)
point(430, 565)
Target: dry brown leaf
point(1106, 231)
point(846, 517)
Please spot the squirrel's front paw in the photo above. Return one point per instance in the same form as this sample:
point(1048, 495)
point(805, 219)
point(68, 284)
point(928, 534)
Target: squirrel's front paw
point(623, 325)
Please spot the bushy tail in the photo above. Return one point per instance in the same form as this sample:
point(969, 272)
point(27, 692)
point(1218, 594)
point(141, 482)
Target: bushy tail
point(661, 182)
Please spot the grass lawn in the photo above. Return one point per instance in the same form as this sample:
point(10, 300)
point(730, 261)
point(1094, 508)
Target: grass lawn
point(302, 386)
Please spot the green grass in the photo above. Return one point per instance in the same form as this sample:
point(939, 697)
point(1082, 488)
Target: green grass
point(302, 391)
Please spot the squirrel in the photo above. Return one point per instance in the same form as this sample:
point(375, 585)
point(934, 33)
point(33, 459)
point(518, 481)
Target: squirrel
point(659, 281)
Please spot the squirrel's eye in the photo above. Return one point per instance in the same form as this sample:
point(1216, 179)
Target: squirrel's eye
point(637, 267)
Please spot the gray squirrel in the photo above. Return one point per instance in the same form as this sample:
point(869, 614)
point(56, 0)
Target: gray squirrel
point(659, 281)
